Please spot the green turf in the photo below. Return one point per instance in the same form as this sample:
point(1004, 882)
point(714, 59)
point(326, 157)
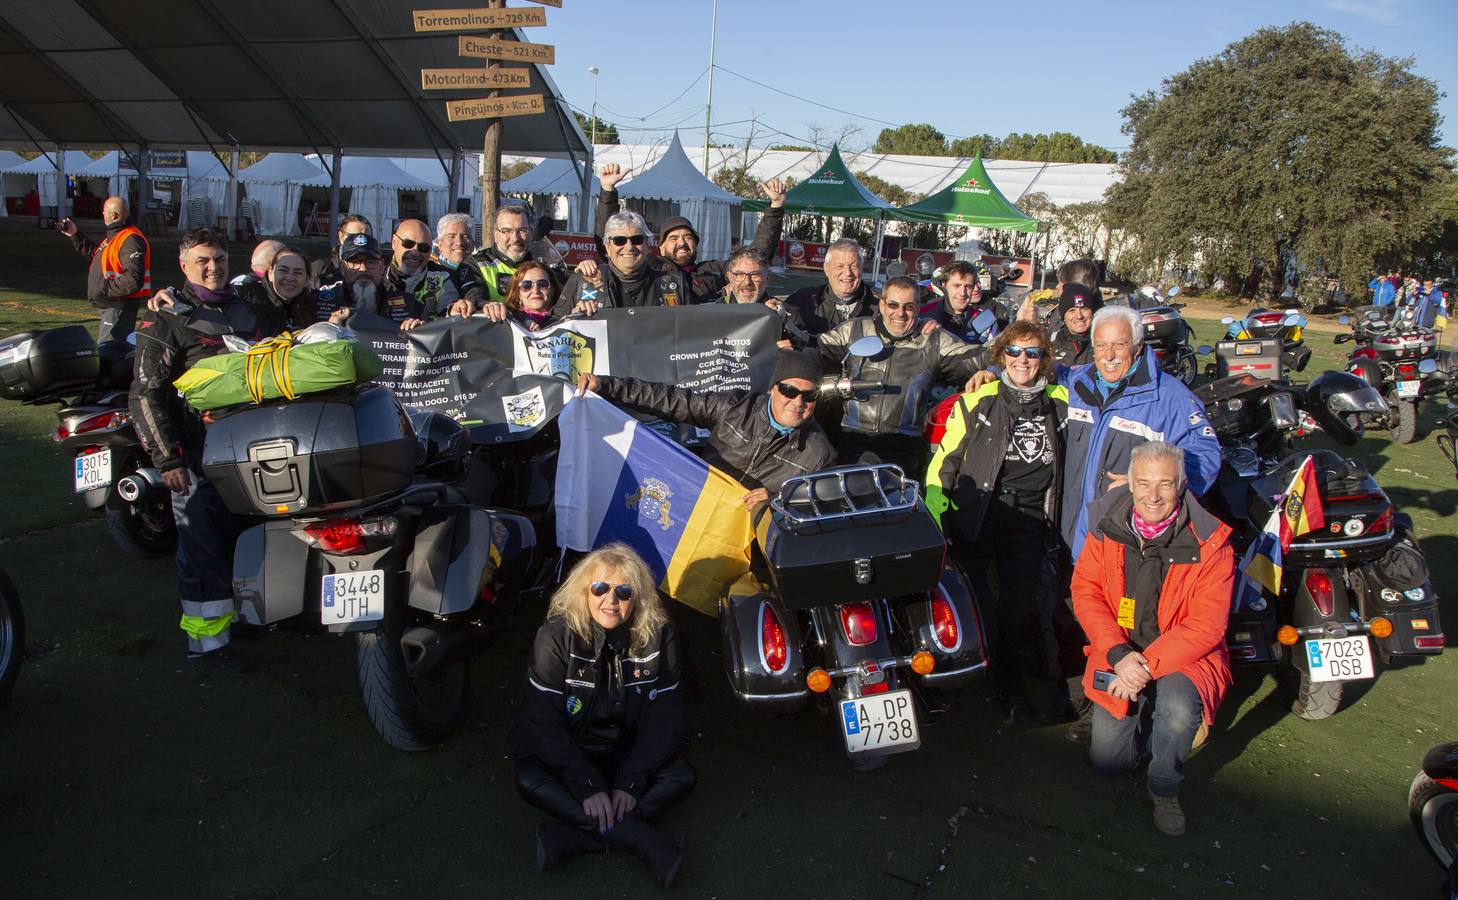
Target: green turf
point(122, 774)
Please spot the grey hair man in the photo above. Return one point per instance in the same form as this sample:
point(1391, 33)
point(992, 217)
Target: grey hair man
point(630, 278)
point(844, 296)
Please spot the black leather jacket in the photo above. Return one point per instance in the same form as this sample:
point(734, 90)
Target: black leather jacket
point(814, 309)
point(742, 443)
point(588, 698)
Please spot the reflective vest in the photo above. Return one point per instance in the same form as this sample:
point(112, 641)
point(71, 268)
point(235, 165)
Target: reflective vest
point(496, 273)
point(111, 266)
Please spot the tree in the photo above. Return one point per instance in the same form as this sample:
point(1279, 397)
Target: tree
point(1285, 141)
point(913, 140)
point(607, 132)
point(985, 144)
point(516, 169)
point(894, 194)
point(795, 147)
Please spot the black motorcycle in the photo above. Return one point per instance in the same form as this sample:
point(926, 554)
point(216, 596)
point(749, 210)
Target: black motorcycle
point(367, 531)
point(1432, 805)
point(1358, 583)
point(1166, 330)
point(12, 634)
point(112, 473)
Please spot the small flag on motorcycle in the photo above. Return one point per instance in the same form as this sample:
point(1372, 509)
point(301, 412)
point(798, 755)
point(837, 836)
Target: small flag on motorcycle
point(1297, 512)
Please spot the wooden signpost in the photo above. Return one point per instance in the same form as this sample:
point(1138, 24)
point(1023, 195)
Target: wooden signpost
point(468, 79)
point(515, 51)
point(493, 107)
point(478, 19)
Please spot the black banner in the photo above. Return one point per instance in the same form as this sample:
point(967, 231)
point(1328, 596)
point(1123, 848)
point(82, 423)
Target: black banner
point(505, 383)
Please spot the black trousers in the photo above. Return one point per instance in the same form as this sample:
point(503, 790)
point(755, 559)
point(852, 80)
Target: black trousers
point(1014, 539)
point(543, 788)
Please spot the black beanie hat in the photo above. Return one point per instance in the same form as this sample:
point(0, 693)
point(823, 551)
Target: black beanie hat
point(797, 364)
point(1075, 295)
point(675, 222)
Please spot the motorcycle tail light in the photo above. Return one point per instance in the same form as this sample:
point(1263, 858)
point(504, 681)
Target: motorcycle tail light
point(1364, 353)
point(1430, 641)
point(774, 650)
point(858, 621)
point(1409, 369)
point(1382, 523)
point(110, 419)
point(1318, 585)
point(944, 622)
point(347, 536)
point(879, 687)
point(1389, 340)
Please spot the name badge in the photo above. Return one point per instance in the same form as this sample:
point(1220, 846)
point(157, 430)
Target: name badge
point(1126, 612)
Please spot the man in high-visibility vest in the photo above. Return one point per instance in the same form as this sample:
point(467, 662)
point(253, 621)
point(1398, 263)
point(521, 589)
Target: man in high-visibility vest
point(121, 270)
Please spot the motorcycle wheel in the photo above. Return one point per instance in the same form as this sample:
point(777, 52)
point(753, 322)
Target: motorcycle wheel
point(1405, 431)
point(411, 714)
point(1315, 700)
point(1185, 367)
point(145, 530)
point(12, 635)
point(1433, 809)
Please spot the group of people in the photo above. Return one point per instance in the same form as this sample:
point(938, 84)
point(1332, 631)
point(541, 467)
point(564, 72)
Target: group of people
point(1067, 482)
point(1427, 299)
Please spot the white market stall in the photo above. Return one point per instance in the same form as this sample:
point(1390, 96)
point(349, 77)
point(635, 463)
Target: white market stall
point(9, 161)
point(674, 187)
point(276, 185)
point(552, 185)
point(194, 181)
point(39, 175)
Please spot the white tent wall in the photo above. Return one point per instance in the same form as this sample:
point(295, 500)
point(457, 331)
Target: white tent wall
point(377, 202)
point(711, 220)
point(207, 178)
point(276, 183)
point(8, 161)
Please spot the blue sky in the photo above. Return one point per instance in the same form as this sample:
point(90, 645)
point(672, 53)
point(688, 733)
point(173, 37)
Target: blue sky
point(965, 67)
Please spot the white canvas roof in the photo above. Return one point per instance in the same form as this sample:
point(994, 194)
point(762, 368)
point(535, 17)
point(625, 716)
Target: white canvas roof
point(551, 176)
point(9, 161)
point(45, 163)
point(673, 177)
point(280, 168)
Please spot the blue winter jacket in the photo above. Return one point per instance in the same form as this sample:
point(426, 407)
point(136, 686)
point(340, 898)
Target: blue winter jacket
point(1383, 291)
point(1102, 433)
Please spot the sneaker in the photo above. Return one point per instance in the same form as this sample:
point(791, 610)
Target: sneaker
point(1169, 818)
point(1081, 731)
point(224, 660)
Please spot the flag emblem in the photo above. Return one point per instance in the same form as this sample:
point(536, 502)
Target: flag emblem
point(652, 501)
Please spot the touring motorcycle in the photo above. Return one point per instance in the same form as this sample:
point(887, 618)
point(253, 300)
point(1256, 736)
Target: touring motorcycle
point(1397, 356)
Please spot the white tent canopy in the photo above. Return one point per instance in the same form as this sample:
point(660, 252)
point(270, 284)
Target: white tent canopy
point(43, 169)
point(701, 201)
point(276, 183)
point(8, 162)
point(375, 184)
point(202, 177)
point(553, 178)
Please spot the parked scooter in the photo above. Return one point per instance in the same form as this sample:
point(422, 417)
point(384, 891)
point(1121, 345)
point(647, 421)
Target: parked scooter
point(851, 603)
point(368, 532)
point(1356, 586)
point(1432, 804)
point(12, 634)
point(1166, 330)
point(1398, 357)
point(112, 473)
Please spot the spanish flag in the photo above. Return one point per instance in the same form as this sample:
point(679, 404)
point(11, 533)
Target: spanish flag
point(1297, 512)
point(619, 480)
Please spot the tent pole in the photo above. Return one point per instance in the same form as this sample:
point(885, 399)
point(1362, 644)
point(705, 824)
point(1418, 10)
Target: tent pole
point(230, 203)
point(334, 194)
point(60, 183)
point(584, 213)
point(876, 241)
point(457, 164)
point(144, 182)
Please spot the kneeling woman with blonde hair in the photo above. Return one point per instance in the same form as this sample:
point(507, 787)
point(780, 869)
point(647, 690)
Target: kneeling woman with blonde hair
point(599, 741)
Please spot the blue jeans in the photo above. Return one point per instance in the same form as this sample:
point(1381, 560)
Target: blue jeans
point(1160, 727)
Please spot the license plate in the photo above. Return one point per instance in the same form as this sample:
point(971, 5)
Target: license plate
point(1409, 389)
point(93, 470)
point(1339, 659)
point(353, 597)
point(879, 721)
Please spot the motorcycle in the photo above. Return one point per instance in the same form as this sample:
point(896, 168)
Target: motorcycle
point(1265, 343)
point(367, 531)
point(112, 473)
point(1166, 330)
point(1432, 805)
point(851, 604)
point(1358, 583)
point(1398, 357)
point(12, 634)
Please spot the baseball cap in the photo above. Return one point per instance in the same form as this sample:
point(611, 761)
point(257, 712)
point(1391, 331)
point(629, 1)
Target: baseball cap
point(359, 245)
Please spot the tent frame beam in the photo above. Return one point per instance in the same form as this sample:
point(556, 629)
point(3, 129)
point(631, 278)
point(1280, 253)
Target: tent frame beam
point(103, 114)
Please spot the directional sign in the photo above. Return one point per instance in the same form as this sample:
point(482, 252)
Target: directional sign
point(493, 107)
point(556, 3)
point(471, 79)
point(516, 51)
point(477, 19)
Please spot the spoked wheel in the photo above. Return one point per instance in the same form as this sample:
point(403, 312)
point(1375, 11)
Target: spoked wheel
point(144, 529)
point(1185, 366)
point(1433, 809)
point(411, 714)
point(12, 635)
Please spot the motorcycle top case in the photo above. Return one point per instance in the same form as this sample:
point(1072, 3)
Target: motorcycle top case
point(1163, 325)
point(880, 556)
point(1259, 357)
point(37, 363)
point(326, 452)
point(1352, 503)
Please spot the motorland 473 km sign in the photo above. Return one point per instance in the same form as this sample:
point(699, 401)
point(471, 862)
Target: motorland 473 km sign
point(474, 79)
point(477, 19)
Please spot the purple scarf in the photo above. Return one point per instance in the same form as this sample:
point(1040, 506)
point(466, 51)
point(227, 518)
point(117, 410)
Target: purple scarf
point(1151, 530)
point(212, 297)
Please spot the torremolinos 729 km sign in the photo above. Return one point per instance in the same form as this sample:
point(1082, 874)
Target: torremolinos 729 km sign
point(478, 19)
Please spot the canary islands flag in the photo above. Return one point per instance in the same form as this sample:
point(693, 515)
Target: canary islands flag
point(1297, 511)
point(618, 480)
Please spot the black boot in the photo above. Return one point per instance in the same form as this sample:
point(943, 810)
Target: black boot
point(558, 842)
point(652, 845)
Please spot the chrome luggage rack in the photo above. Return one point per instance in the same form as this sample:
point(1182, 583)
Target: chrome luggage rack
point(844, 494)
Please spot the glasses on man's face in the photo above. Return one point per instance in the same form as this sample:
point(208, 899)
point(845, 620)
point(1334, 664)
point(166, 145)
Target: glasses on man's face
point(408, 244)
point(540, 284)
point(624, 592)
point(746, 276)
point(505, 231)
point(1117, 346)
point(790, 392)
point(637, 240)
point(1015, 351)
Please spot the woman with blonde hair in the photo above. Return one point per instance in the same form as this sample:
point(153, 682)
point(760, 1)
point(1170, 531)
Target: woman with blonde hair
point(599, 741)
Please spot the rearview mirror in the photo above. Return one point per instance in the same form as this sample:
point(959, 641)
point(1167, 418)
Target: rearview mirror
point(1173, 292)
point(1344, 320)
point(1206, 349)
point(869, 345)
point(1428, 366)
point(983, 321)
point(1227, 320)
point(1291, 319)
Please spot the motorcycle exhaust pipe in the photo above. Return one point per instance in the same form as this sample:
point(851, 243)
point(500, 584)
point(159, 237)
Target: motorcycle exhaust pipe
point(427, 648)
point(136, 486)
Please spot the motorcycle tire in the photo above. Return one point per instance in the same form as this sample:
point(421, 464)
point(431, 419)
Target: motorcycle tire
point(1433, 809)
point(1315, 700)
point(145, 530)
point(1405, 431)
point(12, 635)
point(1185, 367)
point(410, 714)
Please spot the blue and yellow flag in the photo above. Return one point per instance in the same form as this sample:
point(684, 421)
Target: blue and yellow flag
point(618, 480)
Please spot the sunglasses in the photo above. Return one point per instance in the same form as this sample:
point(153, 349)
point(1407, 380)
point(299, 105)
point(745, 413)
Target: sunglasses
point(790, 392)
point(411, 245)
point(624, 592)
point(1015, 351)
point(635, 239)
point(540, 284)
